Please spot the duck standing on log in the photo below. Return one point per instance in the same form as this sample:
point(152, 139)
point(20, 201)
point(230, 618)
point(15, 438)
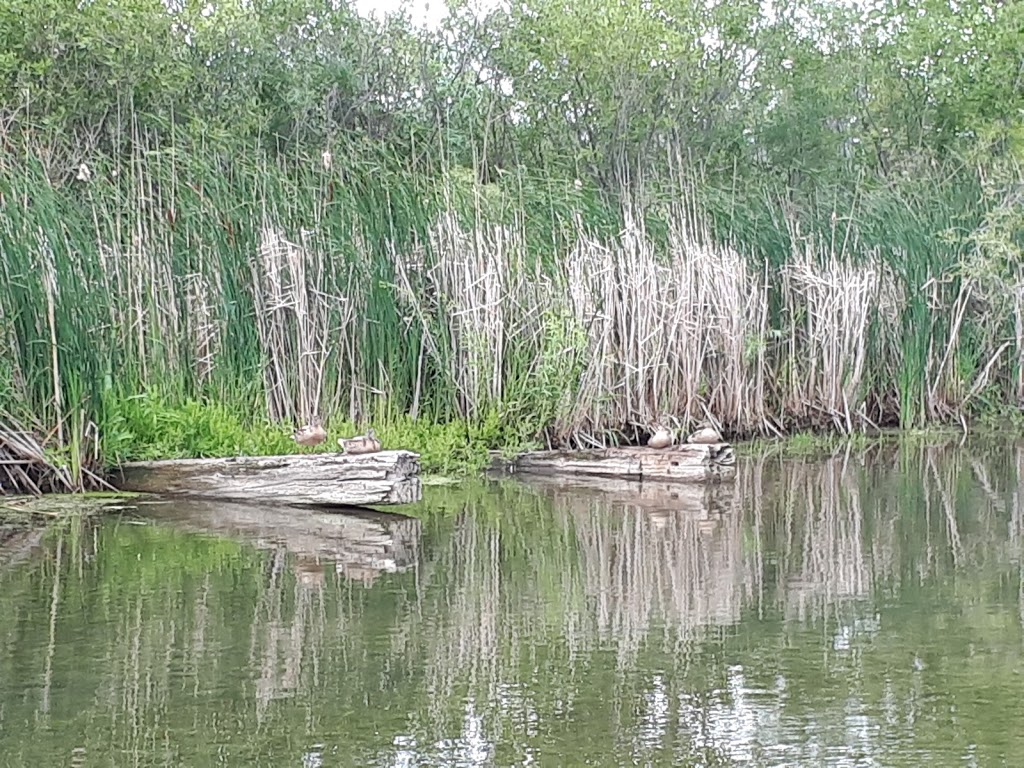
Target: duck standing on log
point(662, 438)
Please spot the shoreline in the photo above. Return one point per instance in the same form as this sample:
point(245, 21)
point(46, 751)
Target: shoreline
point(498, 461)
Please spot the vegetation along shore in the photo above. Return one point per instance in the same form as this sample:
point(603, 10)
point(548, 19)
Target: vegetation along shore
point(540, 224)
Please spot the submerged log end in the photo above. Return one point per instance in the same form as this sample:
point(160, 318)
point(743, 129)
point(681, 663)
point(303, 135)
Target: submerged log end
point(688, 462)
point(386, 477)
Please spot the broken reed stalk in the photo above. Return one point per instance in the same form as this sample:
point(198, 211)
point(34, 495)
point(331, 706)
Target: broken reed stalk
point(27, 468)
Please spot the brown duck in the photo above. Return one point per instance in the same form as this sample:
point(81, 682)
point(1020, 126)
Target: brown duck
point(310, 435)
point(367, 443)
point(662, 438)
point(706, 436)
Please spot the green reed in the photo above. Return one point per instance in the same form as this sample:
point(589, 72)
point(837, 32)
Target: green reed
point(147, 300)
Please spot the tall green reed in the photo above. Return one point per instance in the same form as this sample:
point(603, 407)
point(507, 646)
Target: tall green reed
point(400, 293)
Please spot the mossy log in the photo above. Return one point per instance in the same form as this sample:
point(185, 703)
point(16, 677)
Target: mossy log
point(687, 462)
point(387, 477)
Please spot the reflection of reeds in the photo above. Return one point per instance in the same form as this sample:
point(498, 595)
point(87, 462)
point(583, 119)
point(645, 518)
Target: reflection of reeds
point(816, 510)
point(1016, 527)
point(287, 634)
point(464, 647)
point(645, 567)
point(843, 526)
point(521, 596)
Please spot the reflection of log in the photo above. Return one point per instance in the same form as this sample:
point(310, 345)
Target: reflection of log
point(688, 462)
point(19, 545)
point(387, 477)
point(361, 540)
point(697, 501)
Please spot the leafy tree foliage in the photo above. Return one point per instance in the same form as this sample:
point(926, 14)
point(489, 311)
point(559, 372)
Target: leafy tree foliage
point(596, 88)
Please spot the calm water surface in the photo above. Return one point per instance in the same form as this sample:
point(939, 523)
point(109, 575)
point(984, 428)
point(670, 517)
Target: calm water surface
point(860, 610)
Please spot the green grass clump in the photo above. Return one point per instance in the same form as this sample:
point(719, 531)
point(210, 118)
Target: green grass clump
point(148, 426)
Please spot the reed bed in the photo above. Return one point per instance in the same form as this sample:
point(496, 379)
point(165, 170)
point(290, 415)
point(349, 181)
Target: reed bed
point(284, 293)
point(833, 306)
point(636, 332)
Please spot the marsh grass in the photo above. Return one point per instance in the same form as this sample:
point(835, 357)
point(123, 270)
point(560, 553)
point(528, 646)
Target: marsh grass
point(198, 302)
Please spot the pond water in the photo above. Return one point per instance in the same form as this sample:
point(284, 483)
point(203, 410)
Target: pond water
point(858, 610)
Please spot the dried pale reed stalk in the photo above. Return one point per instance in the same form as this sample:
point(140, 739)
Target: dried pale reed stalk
point(828, 350)
point(50, 288)
point(471, 274)
point(293, 314)
point(667, 333)
point(142, 276)
point(205, 330)
point(628, 334)
point(1018, 340)
point(590, 293)
point(476, 296)
point(635, 333)
point(723, 304)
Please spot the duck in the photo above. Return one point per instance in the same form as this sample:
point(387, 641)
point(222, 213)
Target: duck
point(705, 435)
point(310, 435)
point(662, 438)
point(368, 443)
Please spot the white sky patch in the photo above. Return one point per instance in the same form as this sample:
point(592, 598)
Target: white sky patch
point(424, 13)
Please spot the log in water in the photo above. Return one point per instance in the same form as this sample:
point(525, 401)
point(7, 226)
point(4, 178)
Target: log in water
point(387, 477)
point(688, 462)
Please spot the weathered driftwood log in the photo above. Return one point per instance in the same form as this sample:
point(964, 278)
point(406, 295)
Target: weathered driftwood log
point(388, 477)
point(688, 462)
point(360, 543)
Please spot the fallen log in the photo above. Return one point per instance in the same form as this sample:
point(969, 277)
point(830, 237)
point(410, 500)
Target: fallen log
point(687, 462)
point(387, 477)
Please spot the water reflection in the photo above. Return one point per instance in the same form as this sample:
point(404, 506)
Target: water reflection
point(653, 555)
point(861, 609)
